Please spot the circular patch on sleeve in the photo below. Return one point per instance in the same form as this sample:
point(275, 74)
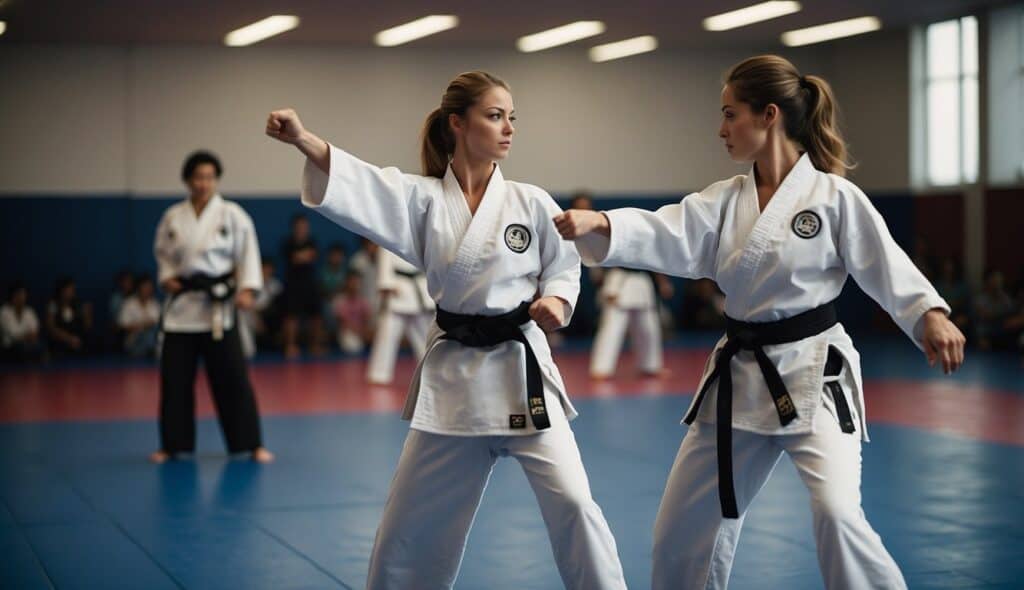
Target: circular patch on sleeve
point(806, 224)
point(517, 238)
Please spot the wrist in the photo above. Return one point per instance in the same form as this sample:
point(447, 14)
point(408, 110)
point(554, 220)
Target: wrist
point(604, 225)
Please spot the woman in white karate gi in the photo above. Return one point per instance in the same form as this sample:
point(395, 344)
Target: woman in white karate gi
point(208, 262)
point(406, 310)
point(780, 241)
point(487, 386)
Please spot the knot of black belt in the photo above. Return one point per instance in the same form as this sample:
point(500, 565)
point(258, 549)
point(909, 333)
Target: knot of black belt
point(480, 331)
point(754, 336)
point(218, 288)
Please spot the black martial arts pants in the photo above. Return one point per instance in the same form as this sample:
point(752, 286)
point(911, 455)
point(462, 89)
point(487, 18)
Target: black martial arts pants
point(229, 382)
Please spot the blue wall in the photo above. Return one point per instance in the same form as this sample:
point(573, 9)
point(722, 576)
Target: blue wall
point(91, 238)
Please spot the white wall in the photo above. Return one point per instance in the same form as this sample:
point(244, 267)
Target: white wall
point(1006, 96)
point(120, 120)
point(871, 78)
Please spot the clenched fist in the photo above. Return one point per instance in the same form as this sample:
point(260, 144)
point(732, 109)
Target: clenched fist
point(943, 341)
point(284, 125)
point(549, 313)
point(576, 223)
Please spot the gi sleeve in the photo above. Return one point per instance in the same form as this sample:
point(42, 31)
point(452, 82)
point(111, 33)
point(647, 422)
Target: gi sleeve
point(679, 239)
point(381, 204)
point(165, 268)
point(248, 268)
point(881, 268)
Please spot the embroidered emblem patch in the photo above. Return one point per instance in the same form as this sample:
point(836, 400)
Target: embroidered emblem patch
point(517, 238)
point(806, 224)
point(517, 421)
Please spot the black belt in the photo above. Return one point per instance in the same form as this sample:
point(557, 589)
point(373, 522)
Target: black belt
point(754, 336)
point(218, 289)
point(480, 330)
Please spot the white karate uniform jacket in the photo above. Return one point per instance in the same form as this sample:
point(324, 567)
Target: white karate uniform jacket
point(220, 239)
point(485, 263)
point(816, 230)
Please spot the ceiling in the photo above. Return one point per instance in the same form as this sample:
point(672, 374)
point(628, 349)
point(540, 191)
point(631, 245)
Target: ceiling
point(483, 24)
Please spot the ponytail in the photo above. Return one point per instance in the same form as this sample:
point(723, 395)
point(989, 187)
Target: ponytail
point(437, 144)
point(821, 137)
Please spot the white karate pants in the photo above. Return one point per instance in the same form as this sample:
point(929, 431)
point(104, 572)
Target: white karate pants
point(694, 545)
point(390, 328)
point(644, 334)
point(437, 488)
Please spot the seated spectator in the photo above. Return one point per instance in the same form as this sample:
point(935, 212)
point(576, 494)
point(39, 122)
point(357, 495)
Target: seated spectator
point(139, 320)
point(332, 278)
point(124, 286)
point(68, 321)
point(19, 327)
point(364, 262)
point(704, 306)
point(992, 308)
point(262, 321)
point(353, 314)
point(1014, 324)
point(951, 286)
point(332, 275)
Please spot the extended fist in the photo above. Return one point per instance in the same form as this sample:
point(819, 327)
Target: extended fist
point(284, 125)
point(576, 223)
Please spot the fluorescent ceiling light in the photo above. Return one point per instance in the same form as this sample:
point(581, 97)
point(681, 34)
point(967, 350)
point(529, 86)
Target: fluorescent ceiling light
point(560, 35)
point(749, 15)
point(3, 27)
point(827, 32)
point(260, 30)
point(417, 29)
point(633, 46)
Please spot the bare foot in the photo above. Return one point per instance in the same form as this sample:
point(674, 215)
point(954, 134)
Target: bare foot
point(600, 376)
point(159, 457)
point(262, 455)
point(660, 373)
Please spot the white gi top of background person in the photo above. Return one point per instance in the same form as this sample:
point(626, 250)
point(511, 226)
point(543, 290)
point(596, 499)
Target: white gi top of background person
point(220, 239)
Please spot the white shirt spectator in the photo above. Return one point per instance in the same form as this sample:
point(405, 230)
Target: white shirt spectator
point(135, 313)
point(14, 327)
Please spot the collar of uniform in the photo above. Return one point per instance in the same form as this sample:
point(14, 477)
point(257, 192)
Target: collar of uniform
point(455, 196)
point(801, 173)
point(776, 214)
point(215, 202)
point(475, 226)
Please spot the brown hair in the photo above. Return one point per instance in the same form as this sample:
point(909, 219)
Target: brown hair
point(807, 104)
point(438, 141)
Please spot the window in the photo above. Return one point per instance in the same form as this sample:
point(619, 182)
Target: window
point(951, 102)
